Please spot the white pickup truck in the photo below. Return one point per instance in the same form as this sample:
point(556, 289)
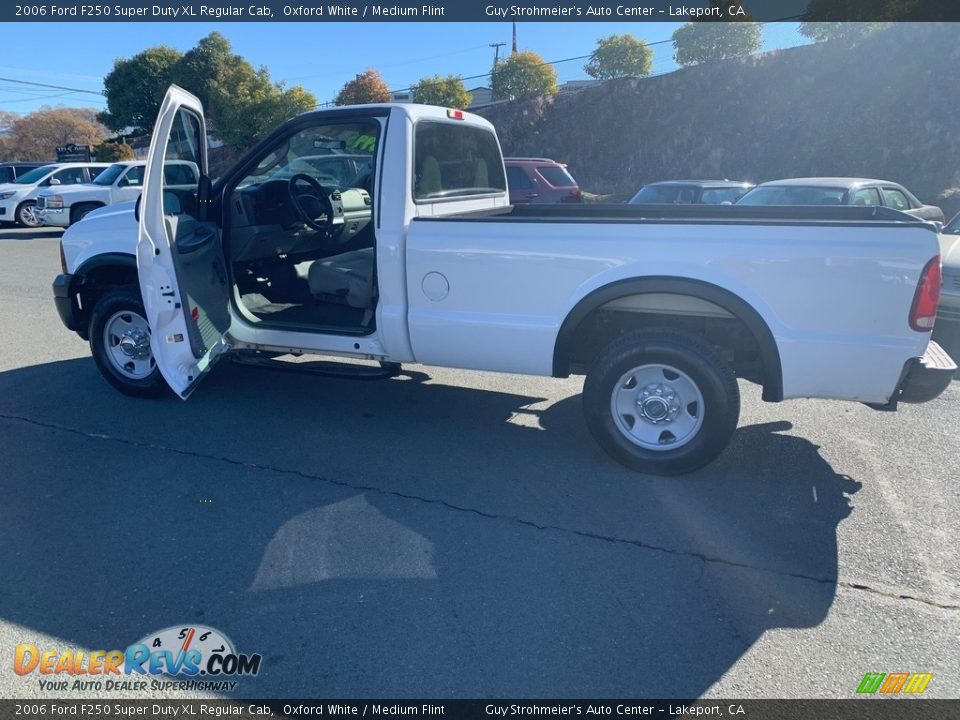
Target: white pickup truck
point(121, 182)
point(420, 258)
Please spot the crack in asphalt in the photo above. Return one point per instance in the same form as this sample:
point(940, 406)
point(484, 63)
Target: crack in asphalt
point(703, 557)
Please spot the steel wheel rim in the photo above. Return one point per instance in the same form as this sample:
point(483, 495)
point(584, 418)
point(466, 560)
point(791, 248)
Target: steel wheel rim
point(28, 216)
point(657, 407)
point(126, 338)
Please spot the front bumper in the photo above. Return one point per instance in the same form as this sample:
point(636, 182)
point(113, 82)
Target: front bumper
point(8, 209)
point(54, 217)
point(924, 378)
point(63, 299)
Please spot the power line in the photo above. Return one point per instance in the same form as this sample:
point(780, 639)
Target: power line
point(52, 87)
point(34, 98)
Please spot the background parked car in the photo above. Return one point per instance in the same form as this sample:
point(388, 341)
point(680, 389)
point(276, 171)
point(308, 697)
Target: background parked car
point(946, 331)
point(10, 171)
point(841, 191)
point(18, 199)
point(690, 192)
point(540, 181)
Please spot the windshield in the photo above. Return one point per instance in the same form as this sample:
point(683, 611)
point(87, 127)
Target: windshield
point(110, 174)
point(338, 155)
point(793, 195)
point(34, 176)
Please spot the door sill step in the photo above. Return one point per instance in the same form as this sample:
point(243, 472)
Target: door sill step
point(323, 368)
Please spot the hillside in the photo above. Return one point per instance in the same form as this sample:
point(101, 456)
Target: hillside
point(887, 108)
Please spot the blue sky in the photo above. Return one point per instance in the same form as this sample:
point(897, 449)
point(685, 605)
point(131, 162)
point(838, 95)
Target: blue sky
point(321, 56)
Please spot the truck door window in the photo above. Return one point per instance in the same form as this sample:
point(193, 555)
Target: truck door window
point(182, 165)
point(70, 176)
point(454, 160)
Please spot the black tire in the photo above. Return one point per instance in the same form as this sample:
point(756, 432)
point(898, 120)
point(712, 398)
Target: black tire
point(80, 211)
point(691, 356)
point(122, 299)
point(23, 219)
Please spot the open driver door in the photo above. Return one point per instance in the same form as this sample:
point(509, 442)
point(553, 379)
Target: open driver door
point(180, 262)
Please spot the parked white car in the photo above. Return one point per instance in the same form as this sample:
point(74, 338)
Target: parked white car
point(121, 182)
point(18, 199)
point(423, 260)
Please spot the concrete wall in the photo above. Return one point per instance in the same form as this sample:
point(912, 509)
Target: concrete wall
point(887, 108)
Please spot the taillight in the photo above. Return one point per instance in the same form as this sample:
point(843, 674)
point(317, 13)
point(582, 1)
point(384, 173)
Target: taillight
point(63, 259)
point(927, 297)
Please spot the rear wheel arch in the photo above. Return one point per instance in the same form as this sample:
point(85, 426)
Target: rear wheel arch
point(739, 309)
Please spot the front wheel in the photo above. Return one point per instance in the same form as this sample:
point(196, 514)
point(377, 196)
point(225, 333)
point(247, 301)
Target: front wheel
point(661, 402)
point(81, 211)
point(120, 344)
point(27, 214)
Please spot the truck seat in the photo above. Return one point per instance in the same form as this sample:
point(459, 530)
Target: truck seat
point(348, 276)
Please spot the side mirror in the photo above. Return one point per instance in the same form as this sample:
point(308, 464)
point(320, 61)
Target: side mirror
point(54, 181)
point(136, 207)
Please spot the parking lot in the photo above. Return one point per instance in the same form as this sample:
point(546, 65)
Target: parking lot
point(456, 534)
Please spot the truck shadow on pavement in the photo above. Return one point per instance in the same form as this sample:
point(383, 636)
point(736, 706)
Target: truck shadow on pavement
point(400, 539)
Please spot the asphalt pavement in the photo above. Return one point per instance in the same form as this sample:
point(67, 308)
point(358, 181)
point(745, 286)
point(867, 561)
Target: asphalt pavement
point(455, 534)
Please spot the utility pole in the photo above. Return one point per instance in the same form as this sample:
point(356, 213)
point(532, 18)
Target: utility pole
point(496, 52)
point(514, 37)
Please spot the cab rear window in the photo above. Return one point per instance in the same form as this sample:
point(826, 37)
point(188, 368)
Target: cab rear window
point(455, 160)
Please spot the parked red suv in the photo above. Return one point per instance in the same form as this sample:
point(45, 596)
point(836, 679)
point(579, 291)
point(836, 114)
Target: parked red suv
point(539, 181)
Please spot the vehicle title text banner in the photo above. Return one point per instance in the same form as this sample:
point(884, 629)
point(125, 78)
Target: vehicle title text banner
point(97, 708)
point(466, 11)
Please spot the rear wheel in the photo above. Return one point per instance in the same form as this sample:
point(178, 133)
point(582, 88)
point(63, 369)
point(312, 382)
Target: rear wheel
point(27, 214)
point(661, 402)
point(120, 344)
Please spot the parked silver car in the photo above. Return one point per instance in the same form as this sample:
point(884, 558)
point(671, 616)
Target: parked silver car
point(841, 191)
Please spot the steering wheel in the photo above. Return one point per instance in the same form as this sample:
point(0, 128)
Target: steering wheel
point(319, 195)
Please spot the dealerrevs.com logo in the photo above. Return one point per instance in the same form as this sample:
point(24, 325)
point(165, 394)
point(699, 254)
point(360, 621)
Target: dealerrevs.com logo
point(196, 657)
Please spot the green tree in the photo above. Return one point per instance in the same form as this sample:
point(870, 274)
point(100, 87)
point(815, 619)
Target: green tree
point(113, 152)
point(135, 87)
point(201, 66)
point(446, 91)
point(242, 103)
point(619, 56)
point(700, 42)
point(367, 87)
point(245, 105)
point(523, 74)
